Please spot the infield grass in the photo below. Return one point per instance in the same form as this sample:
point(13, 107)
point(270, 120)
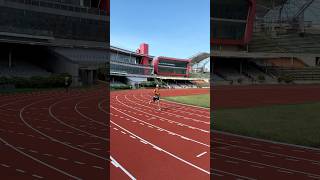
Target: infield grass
point(295, 124)
point(202, 100)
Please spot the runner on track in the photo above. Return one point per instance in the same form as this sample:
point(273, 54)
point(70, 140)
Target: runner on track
point(156, 96)
point(67, 83)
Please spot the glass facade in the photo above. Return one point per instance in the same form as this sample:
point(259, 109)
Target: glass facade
point(171, 63)
point(228, 30)
point(122, 58)
point(129, 64)
point(167, 70)
point(131, 69)
point(172, 67)
point(57, 25)
point(228, 19)
point(230, 9)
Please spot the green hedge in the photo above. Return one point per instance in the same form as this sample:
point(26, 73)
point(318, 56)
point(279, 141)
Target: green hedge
point(53, 81)
point(148, 84)
point(117, 86)
point(285, 78)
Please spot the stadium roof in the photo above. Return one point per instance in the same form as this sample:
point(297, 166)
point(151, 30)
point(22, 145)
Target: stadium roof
point(263, 6)
point(82, 55)
point(199, 57)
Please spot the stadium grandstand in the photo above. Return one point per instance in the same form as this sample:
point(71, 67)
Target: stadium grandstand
point(48, 37)
point(133, 69)
point(265, 41)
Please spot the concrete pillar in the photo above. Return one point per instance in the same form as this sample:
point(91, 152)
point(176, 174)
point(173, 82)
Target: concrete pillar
point(10, 59)
point(90, 77)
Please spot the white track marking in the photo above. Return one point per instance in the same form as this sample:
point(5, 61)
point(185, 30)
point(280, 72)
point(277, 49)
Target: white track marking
point(116, 164)
point(263, 164)
point(52, 138)
point(232, 174)
point(199, 129)
point(113, 161)
point(183, 137)
point(201, 154)
point(267, 152)
point(39, 161)
point(179, 116)
point(170, 154)
point(57, 119)
point(199, 111)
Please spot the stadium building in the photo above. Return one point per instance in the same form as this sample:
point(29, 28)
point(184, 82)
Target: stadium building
point(263, 41)
point(43, 37)
point(139, 67)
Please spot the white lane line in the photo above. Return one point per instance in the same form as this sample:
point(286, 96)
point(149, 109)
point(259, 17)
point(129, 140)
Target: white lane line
point(181, 107)
point(19, 170)
point(260, 167)
point(267, 152)
point(289, 159)
point(116, 164)
point(232, 174)
point(62, 158)
point(201, 154)
point(97, 167)
point(37, 176)
point(53, 140)
point(4, 165)
point(33, 151)
point(279, 170)
point(170, 154)
point(267, 165)
point(171, 114)
point(232, 162)
point(72, 127)
point(160, 129)
point(39, 161)
point(170, 121)
point(78, 162)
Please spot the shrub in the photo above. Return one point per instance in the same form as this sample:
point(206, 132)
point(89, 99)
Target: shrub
point(148, 84)
point(261, 78)
point(285, 78)
point(53, 81)
point(117, 86)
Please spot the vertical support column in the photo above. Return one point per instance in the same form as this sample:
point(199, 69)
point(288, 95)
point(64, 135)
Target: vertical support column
point(90, 77)
point(144, 49)
point(10, 59)
point(188, 69)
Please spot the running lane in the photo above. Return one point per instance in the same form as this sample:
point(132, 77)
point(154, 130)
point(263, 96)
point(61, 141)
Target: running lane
point(158, 145)
point(39, 141)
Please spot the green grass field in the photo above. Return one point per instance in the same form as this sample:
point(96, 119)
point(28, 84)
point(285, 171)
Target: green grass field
point(295, 124)
point(202, 100)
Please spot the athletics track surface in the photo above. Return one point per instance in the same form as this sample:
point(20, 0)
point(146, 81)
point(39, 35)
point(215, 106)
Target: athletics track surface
point(54, 135)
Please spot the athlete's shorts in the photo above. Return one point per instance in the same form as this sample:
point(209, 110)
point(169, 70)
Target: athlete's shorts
point(156, 98)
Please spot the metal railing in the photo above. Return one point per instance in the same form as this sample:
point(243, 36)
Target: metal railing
point(62, 5)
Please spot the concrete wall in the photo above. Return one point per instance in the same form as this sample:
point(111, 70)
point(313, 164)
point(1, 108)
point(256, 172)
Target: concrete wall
point(58, 64)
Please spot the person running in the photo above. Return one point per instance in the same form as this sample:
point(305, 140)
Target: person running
point(156, 97)
point(67, 83)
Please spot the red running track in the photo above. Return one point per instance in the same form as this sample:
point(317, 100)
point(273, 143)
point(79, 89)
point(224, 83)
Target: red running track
point(49, 135)
point(139, 134)
point(171, 144)
point(248, 158)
